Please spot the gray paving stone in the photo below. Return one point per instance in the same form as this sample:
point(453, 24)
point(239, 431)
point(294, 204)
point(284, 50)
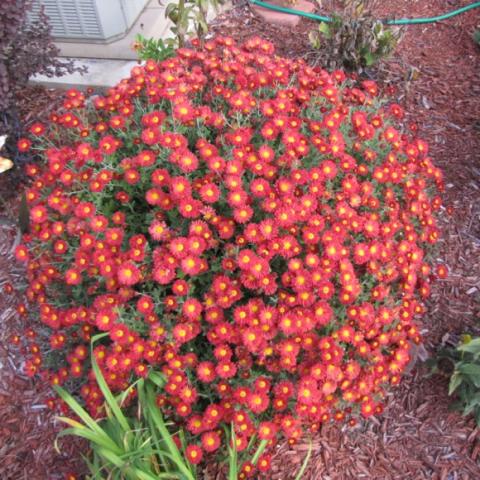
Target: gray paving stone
point(102, 73)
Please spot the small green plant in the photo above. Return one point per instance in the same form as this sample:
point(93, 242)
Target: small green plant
point(476, 36)
point(181, 15)
point(200, 15)
point(354, 39)
point(462, 363)
point(190, 14)
point(155, 49)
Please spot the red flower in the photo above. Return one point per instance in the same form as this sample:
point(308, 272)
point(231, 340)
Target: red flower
point(210, 441)
point(189, 208)
point(184, 112)
point(226, 369)
point(38, 214)
point(185, 159)
point(209, 193)
point(194, 454)
point(105, 319)
point(37, 129)
point(145, 304)
point(206, 372)
point(109, 144)
point(128, 274)
point(24, 145)
point(267, 430)
point(85, 210)
point(264, 463)
point(258, 402)
point(192, 309)
point(191, 265)
point(73, 277)
point(21, 253)
point(151, 136)
point(442, 271)
point(367, 408)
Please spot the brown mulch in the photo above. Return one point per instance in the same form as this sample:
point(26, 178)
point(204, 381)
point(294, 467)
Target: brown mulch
point(417, 438)
point(436, 70)
point(27, 427)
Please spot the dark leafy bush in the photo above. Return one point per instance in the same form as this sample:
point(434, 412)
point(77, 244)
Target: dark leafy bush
point(355, 39)
point(26, 49)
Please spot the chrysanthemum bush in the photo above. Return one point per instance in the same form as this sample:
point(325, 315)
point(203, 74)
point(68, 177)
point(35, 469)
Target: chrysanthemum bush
point(255, 229)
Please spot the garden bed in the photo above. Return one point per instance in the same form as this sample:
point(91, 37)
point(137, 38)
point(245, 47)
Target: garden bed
point(417, 437)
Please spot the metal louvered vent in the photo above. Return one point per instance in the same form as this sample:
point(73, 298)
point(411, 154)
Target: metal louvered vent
point(72, 18)
point(89, 20)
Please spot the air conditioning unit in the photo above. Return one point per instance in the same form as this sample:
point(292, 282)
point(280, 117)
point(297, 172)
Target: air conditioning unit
point(99, 21)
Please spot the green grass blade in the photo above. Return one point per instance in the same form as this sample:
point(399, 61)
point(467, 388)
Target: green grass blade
point(124, 463)
point(111, 457)
point(120, 398)
point(232, 457)
point(109, 398)
point(130, 472)
point(141, 475)
point(253, 438)
point(157, 378)
point(174, 453)
point(95, 467)
point(167, 476)
point(152, 429)
point(261, 448)
point(305, 462)
point(92, 437)
point(80, 411)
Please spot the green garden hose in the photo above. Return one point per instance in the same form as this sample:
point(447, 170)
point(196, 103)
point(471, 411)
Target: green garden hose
point(400, 21)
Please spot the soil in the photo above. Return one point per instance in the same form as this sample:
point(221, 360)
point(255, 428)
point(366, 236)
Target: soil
point(436, 74)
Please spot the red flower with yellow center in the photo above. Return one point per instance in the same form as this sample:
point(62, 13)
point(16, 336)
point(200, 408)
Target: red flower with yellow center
point(128, 274)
